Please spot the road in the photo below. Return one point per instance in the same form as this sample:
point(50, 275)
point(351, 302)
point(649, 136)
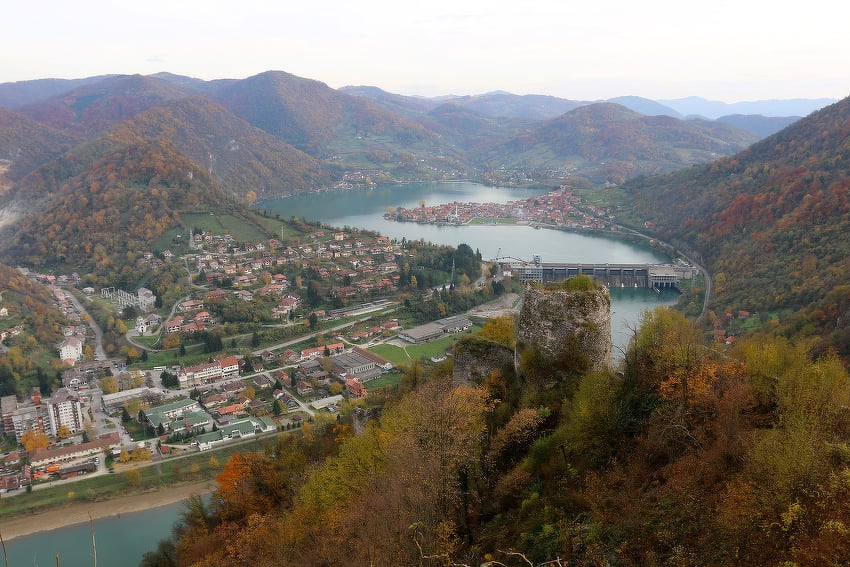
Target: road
point(331, 330)
point(99, 353)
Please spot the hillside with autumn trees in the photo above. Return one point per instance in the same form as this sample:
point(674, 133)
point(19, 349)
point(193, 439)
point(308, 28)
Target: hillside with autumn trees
point(29, 144)
point(106, 217)
point(93, 108)
point(243, 160)
point(33, 325)
point(609, 141)
point(683, 455)
point(770, 224)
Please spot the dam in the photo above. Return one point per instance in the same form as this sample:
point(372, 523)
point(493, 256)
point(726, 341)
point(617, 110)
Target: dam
point(657, 276)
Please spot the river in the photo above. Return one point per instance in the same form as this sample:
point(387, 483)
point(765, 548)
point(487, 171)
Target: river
point(121, 540)
point(364, 208)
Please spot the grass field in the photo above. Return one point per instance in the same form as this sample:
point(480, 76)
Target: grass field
point(223, 224)
point(274, 226)
point(394, 354)
point(194, 353)
point(391, 379)
point(398, 355)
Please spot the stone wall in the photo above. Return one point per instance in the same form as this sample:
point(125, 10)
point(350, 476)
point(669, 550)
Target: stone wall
point(554, 318)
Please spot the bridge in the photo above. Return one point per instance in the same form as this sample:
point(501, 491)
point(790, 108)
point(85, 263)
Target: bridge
point(656, 276)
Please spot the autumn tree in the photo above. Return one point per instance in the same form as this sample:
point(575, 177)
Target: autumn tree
point(109, 384)
point(252, 483)
point(34, 439)
point(133, 477)
point(171, 340)
point(140, 454)
point(499, 330)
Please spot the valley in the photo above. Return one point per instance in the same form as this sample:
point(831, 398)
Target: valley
point(264, 256)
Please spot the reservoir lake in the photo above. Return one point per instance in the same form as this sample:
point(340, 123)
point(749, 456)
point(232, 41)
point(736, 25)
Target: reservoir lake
point(365, 208)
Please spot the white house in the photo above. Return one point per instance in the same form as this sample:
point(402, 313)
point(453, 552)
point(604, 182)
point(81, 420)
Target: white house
point(71, 349)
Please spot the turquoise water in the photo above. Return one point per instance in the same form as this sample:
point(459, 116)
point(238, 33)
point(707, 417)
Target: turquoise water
point(364, 208)
point(121, 540)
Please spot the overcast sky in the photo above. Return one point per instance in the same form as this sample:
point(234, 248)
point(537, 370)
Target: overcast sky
point(578, 49)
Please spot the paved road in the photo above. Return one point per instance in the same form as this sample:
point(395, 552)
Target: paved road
point(330, 330)
point(99, 353)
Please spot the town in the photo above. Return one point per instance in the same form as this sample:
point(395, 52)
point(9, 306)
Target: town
point(558, 208)
point(324, 311)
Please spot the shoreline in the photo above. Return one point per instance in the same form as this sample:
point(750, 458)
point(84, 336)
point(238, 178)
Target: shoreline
point(81, 512)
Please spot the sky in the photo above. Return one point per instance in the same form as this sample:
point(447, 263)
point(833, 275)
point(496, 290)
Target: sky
point(722, 50)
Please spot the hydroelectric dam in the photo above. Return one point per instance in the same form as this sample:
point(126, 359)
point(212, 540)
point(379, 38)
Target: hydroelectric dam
point(656, 276)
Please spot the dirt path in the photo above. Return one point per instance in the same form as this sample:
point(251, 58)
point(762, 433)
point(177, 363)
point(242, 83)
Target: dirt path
point(506, 303)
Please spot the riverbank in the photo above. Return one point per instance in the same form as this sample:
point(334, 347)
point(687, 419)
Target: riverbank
point(81, 512)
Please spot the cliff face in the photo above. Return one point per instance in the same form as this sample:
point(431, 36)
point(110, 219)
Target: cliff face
point(475, 358)
point(555, 318)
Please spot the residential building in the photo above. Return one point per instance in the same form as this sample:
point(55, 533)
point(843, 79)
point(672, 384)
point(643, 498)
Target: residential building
point(71, 350)
point(315, 352)
point(147, 299)
point(64, 410)
point(41, 457)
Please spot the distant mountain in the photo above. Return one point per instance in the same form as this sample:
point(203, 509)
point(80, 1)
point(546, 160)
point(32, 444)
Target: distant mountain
point(319, 120)
point(507, 105)
point(411, 106)
point(13, 95)
point(611, 142)
point(696, 106)
point(470, 132)
point(645, 106)
point(192, 85)
point(500, 104)
point(240, 157)
point(27, 144)
point(761, 126)
point(771, 223)
point(95, 107)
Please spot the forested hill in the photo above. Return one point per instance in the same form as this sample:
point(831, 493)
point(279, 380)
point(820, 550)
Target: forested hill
point(244, 160)
point(771, 223)
point(619, 142)
point(27, 144)
point(95, 107)
point(116, 208)
point(315, 118)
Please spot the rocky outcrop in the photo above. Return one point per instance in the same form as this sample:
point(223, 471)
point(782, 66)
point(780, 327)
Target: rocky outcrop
point(475, 358)
point(555, 317)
